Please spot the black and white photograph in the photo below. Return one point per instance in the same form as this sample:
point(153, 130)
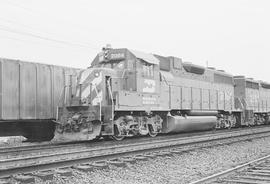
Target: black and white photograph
point(134, 92)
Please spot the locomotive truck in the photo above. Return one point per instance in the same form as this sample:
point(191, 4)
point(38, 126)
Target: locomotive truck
point(128, 93)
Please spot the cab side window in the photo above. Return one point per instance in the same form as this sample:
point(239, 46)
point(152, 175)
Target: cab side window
point(147, 70)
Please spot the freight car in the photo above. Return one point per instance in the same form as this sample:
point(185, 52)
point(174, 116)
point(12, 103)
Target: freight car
point(30, 94)
point(127, 93)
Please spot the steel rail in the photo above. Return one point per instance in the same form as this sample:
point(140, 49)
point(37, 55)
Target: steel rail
point(228, 171)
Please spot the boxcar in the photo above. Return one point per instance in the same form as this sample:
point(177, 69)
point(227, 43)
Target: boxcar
point(29, 96)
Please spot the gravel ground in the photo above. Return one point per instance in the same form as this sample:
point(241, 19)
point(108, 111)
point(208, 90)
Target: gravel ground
point(8, 141)
point(177, 168)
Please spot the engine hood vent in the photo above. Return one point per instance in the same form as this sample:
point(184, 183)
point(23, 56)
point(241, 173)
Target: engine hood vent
point(189, 67)
point(265, 85)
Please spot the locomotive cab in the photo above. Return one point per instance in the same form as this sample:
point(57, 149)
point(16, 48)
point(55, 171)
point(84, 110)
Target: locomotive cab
point(135, 91)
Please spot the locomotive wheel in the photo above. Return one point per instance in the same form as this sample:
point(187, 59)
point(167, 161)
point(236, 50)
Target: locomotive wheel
point(118, 137)
point(151, 132)
point(228, 124)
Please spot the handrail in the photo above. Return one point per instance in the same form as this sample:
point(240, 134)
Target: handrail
point(110, 91)
point(124, 72)
point(95, 88)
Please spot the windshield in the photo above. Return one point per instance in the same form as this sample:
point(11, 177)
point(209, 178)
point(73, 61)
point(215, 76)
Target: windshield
point(116, 65)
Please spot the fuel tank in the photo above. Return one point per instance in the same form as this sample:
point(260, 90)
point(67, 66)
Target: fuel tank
point(176, 124)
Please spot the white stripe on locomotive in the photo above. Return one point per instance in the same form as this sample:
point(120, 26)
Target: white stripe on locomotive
point(96, 81)
point(97, 99)
point(85, 74)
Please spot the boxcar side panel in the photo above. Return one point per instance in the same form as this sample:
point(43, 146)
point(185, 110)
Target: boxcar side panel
point(44, 92)
point(10, 89)
point(58, 87)
point(28, 89)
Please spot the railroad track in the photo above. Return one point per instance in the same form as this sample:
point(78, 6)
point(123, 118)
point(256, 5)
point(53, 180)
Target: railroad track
point(36, 148)
point(44, 148)
point(117, 154)
point(253, 172)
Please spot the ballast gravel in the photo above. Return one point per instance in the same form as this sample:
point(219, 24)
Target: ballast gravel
point(11, 141)
point(183, 167)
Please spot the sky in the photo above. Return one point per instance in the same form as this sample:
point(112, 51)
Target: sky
point(232, 35)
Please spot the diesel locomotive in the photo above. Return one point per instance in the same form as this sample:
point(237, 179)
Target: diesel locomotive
point(128, 93)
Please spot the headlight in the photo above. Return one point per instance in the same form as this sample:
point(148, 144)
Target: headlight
point(97, 74)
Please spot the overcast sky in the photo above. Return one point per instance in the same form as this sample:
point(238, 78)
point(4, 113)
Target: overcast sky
point(233, 35)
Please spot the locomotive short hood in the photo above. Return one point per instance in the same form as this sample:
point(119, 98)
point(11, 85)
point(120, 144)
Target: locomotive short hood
point(124, 54)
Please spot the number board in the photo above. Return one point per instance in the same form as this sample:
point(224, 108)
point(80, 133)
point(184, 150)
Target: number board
point(117, 56)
